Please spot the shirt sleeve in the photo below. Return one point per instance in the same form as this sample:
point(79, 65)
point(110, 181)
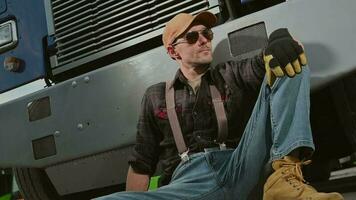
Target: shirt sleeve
point(249, 72)
point(145, 153)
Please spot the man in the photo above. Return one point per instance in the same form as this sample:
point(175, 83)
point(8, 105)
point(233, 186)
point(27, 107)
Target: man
point(204, 116)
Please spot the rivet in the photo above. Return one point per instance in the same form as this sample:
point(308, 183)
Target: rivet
point(80, 126)
point(86, 79)
point(57, 133)
point(74, 84)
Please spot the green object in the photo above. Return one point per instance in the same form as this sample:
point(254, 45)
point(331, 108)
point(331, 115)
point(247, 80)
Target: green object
point(6, 197)
point(153, 183)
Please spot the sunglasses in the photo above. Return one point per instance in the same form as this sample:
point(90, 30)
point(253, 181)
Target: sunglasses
point(193, 36)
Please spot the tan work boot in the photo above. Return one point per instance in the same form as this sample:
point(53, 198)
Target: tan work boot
point(287, 183)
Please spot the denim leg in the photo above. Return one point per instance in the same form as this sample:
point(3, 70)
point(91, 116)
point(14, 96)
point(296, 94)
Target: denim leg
point(290, 117)
point(279, 123)
point(192, 180)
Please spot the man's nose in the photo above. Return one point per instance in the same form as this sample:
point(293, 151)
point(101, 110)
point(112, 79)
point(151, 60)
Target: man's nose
point(202, 39)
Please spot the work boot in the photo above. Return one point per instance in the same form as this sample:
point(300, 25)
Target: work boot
point(287, 183)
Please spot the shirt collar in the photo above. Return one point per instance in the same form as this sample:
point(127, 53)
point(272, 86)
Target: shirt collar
point(179, 78)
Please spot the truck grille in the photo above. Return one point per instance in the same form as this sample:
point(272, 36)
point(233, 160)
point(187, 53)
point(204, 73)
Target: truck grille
point(86, 27)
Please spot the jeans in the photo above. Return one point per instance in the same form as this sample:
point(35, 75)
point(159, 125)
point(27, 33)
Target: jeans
point(278, 124)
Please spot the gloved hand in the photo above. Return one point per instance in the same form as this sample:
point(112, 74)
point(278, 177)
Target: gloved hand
point(283, 56)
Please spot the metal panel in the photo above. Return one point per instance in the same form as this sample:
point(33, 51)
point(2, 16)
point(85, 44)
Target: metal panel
point(98, 111)
point(91, 113)
point(326, 29)
point(97, 171)
point(31, 30)
point(247, 40)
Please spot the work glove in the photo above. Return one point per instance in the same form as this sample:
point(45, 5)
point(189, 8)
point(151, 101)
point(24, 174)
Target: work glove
point(283, 56)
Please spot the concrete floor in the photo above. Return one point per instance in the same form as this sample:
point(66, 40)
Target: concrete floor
point(350, 196)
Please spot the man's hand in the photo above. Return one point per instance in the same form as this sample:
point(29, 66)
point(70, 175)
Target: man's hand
point(283, 56)
point(137, 182)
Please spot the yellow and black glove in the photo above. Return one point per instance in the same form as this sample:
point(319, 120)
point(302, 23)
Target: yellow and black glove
point(283, 56)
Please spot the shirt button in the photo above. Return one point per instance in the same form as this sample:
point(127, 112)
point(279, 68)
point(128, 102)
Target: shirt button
point(198, 137)
point(190, 92)
point(195, 113)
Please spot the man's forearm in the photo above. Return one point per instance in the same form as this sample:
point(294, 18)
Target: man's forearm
point(136, 181)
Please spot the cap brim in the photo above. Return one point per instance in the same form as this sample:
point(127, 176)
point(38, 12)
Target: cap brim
point(205, 18)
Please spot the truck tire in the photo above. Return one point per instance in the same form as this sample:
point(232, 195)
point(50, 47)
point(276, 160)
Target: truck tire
point(34, 184)
point(5, 182)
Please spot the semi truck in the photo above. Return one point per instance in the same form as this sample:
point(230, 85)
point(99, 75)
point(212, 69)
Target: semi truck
point(70, 139)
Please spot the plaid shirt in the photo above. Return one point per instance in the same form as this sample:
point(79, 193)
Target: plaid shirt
point(238, 84)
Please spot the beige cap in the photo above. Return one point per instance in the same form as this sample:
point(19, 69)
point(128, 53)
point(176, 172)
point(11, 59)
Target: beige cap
point(181, 22)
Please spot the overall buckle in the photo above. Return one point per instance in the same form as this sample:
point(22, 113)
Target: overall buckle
point(222, 146)
point(184, 156)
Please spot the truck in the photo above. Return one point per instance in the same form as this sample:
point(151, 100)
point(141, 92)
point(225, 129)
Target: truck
point(70, 138)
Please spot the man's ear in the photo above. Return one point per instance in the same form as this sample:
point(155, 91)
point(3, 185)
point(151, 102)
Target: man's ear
point(173, 53)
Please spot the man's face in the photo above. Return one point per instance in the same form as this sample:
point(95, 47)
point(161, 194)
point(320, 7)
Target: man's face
point(195, 54)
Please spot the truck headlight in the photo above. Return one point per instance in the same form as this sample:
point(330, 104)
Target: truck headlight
point(8, 35)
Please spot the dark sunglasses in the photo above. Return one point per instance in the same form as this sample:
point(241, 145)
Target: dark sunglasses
point(193, 36)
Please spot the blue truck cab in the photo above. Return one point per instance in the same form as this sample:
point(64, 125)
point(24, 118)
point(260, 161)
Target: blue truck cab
point(22, 28)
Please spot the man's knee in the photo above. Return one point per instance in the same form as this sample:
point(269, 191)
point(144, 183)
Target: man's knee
point(292, 83)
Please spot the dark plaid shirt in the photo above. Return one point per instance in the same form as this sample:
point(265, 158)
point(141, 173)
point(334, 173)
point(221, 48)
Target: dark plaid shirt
point(238, 84)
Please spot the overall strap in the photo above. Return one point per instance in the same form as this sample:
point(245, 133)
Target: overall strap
point(220, 114)
point(173, 119)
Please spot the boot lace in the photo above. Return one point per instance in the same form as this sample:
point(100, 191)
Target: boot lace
point(293, 174)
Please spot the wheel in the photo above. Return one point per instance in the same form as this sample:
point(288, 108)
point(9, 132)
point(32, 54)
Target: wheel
point(34, 184)
point(5, 182)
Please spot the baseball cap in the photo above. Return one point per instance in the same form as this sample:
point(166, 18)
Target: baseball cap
point(181, 22)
